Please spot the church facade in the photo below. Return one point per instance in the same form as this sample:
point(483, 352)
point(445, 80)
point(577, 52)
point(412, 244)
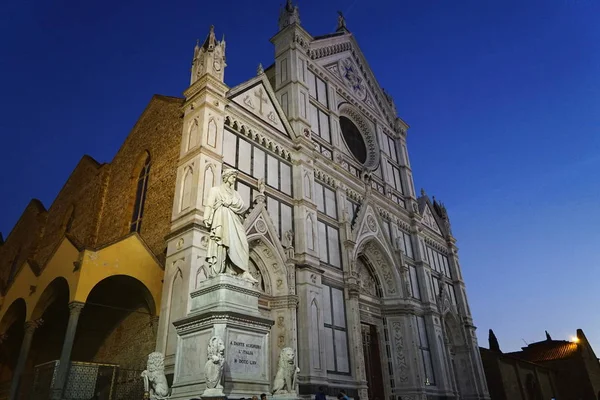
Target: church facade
point(359, 274)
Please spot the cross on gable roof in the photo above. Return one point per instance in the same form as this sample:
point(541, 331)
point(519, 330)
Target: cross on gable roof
point(257, 97)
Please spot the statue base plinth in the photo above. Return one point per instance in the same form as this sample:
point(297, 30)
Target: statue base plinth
point(213, 394)
point(227, 307)
point(285, 396)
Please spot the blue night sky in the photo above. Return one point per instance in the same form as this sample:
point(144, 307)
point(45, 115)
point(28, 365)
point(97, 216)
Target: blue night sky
point(503, 99)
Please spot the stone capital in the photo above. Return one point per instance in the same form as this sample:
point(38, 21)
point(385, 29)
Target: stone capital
point(75, 307)
point(31, 326)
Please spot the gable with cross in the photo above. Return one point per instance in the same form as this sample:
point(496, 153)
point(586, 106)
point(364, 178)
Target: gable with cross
point(262, 99)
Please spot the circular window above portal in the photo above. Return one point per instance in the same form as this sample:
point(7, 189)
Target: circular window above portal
point(359, 135)
point(353, 139)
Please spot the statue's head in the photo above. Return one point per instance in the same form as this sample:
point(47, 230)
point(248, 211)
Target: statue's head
point(286, 357)
point(156, 362)
point(228, 174)
point(215, 346)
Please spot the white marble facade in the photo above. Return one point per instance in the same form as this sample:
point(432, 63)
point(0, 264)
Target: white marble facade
point(360, 276)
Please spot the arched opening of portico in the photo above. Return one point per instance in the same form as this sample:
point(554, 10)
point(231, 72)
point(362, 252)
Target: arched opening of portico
point(52, 311)
point(12, 329)
point(117, 324)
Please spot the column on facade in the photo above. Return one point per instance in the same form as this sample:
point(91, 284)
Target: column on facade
point(30, 327)
point(311, 355)
point(357, 357)
point(64, 364)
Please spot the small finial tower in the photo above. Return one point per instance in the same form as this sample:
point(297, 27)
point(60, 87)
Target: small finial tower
point(548, 337)
point(209, 58)
point(341, 24)
point(493, 342)
point(260, 70)
point(288, 15)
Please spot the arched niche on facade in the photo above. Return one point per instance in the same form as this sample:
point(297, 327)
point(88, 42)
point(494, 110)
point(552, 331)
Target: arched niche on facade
point(381, 264)
point(270, 264)
point(368, 281)
point(458, 351)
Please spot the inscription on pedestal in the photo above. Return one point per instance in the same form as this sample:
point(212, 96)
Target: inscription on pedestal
point(246, 355)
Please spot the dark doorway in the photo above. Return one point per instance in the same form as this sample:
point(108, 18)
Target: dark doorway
point(372, 362)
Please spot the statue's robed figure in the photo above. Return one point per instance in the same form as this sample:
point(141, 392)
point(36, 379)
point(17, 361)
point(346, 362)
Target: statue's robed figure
point(228, 245)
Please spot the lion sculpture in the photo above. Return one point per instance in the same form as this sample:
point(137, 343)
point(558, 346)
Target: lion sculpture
point(155, 381)
point(214, 366)
point(287, 372)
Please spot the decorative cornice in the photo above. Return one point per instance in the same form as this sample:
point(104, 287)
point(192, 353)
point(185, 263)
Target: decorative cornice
point(353, 195)
point(226, 286)
point(197, 322)
point(442, 248)
point(257, 137)
point(284, 302)
point(326, 51)
point(322, 176)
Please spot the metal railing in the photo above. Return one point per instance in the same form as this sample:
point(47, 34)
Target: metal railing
point(4, 390)
point(87, 381)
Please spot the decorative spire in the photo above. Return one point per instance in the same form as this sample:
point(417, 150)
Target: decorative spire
point(259, 69)
point(341, 23)
point(423, 192)
point(548, 337)
point(209, 58)
point(209, 43)
point(288, 15)
point(493, 341)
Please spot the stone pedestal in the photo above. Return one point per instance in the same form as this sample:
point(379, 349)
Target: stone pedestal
point(227, 307)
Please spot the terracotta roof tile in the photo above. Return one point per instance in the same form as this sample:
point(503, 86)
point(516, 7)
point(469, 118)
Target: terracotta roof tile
point(547, 351)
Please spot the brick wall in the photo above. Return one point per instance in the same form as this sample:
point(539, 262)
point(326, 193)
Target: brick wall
point(129, 344)
point(158, 132)
point(22, 241)
point(101, 196)
point(79, 197)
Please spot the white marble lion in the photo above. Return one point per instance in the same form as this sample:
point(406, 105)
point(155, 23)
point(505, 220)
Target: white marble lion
point(155, 381)
point(287, 372)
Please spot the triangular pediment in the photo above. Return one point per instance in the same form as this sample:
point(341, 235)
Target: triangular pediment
point(257, 97)
point(342, 57)
point(430, 221)
point(368, 224)
point(259, 222)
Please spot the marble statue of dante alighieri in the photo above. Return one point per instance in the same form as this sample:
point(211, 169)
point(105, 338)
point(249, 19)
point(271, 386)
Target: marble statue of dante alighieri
point(228, 245)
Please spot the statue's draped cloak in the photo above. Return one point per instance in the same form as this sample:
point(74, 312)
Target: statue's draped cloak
point(226, 231)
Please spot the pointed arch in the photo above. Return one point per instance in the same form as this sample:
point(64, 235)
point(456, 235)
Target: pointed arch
point(192, 139)
point(208, 181)
point(175, 310)
point(211, 137)
point(16, 313)
point(310, 233)
point(453, 331)
point(315, 346)
point(270, 263)
point(382, 264)
point(139, 177)
point(58, 289)
point(186, 189)
point(368, 280)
